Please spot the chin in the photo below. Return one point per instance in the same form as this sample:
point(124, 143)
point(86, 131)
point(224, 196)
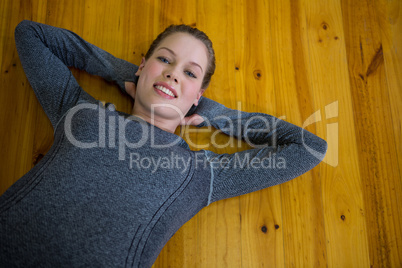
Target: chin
point(167, 111)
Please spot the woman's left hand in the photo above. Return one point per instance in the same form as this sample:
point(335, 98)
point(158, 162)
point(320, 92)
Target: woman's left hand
point(192, 120)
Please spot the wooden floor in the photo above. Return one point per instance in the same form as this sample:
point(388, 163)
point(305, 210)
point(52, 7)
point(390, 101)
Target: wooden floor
point(332, 66)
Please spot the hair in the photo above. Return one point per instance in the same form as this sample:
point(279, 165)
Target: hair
point(198, 35)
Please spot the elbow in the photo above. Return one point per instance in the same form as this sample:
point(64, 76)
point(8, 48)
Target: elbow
point(21, 27)
point(324, 147)
point(316, 147)
point(319, 149)
point(21, 30)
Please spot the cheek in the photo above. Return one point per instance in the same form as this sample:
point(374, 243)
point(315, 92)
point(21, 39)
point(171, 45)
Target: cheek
point(152, 70)
point(193, 88)
point(149, 74)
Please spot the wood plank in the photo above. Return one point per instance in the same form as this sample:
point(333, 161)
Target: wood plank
point(261, 221)
point(303, 219)
point(375, 133)
point(390, 20)
point(345, 226)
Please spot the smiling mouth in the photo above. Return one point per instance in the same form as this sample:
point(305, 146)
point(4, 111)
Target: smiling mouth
point(165, 90)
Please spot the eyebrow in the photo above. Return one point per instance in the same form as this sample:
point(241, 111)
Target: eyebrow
point(174, 54)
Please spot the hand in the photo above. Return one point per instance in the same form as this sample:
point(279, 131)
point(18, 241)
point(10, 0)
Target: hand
point(192, 120)
point(130, 88)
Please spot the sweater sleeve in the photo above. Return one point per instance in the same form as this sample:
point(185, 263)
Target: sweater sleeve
point(281, 151)
point(46, 52)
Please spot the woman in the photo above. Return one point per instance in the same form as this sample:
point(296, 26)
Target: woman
point(115, 187)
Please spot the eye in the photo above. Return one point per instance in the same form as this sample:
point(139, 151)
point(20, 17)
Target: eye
point(191, 74)
point(164, 60)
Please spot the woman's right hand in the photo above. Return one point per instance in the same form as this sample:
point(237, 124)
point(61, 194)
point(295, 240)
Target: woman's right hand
point(130, 88)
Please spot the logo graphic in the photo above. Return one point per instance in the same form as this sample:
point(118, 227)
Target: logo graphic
point(331, 111)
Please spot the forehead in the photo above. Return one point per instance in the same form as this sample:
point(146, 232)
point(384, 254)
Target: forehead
point(186, 47)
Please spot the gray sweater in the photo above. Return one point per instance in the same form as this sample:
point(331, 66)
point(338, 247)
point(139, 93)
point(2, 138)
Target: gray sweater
point(113, 189)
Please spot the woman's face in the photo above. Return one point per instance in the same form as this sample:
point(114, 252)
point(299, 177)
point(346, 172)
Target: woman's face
point(170, 80)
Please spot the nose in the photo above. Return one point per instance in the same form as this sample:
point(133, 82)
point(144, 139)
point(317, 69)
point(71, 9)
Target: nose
point(170, 74)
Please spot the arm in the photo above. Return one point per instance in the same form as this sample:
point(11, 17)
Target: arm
point(282, 151)
point(46, 52)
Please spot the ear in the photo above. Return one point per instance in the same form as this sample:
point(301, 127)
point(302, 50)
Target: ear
point(199, 96)
point(140, 67)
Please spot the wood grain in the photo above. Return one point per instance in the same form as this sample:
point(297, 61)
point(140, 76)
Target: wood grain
point(375, 132)
point(333, 66)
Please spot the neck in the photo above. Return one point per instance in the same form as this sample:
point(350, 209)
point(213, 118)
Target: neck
point(168, 125)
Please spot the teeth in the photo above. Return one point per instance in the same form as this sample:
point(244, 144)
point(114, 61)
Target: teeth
point(165, 90)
